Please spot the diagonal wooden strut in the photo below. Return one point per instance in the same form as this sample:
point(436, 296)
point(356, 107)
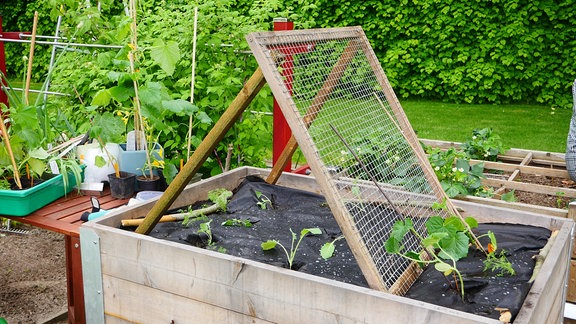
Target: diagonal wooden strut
point(315, 107)
point(228, 118)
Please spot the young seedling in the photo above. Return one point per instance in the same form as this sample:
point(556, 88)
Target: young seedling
point(237, 222)
point(446, 243)
point(559, 202)
point(263, 201)
point(270, 244)
point(497, 262)
point(205, 228)
point(327, 250)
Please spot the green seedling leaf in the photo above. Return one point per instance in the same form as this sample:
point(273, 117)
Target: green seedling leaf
point(237, 222)
point(433, 240)
point(445, 268)
point(99, 161)
point(37, 166)
point(392, 245)
point(269, 245)
point(471, 221)
point(314, 231)
point(101, 98)
point(327, 250)
point(509, 196)
point(120, 93)
point(401, 228)
point(179, 107)
point(453, 223)
point(435, 224)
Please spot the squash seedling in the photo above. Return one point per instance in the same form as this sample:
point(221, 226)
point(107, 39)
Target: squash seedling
point(237, 222)
point(263, 201)
point(327, 250)
point(270, 244)
point(446, 243)
point(205, 228)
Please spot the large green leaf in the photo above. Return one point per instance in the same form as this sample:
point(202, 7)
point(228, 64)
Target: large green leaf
point(166, 55)
point(454, 247)
point(101, 98)
point(179, 107)
point(109, 128)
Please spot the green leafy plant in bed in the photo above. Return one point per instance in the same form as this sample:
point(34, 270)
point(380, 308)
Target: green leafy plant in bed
point(455, 173)
point(447, 241)
point(483, 145)
point(271, 244)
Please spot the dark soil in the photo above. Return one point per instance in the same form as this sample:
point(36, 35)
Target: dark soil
point(33, 275)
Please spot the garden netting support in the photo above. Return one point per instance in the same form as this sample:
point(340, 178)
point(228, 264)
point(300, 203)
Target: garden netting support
point(357, 140)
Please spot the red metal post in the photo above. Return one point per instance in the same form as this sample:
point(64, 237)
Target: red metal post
point(281, 130)
point(3, 97)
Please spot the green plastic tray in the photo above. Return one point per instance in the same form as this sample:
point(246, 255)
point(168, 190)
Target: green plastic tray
point(23, 202)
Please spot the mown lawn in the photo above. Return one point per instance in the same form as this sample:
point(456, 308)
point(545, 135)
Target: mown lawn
point(520, 126)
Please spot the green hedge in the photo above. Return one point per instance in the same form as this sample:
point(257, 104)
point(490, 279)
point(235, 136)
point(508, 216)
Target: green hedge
point(498, 51)
point(18, 15)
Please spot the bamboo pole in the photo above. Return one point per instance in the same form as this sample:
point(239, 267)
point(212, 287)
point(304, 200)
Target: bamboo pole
point(192, 83)
point(31, 58)
point(230, 116)
point(6, 139)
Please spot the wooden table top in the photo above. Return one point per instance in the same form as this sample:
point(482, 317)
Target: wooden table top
point(63, 215)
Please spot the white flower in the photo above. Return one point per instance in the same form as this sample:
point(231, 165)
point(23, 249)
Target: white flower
point(454, 169)
point(461, 169)
point(437, 168)
point(474, 137)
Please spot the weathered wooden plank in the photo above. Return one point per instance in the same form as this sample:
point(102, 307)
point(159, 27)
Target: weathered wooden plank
point(525, 169)
point(539, 302)
point(530, 187)
point(518, 206)
point(513, 154)
point(571, 296)
point(129, 298)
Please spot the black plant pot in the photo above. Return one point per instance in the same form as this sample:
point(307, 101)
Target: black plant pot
point(122, 187)
point(147, 184)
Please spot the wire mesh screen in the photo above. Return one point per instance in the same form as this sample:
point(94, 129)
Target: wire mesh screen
point(356, 139)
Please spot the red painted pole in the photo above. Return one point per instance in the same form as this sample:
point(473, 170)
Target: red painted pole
point(3, 96)
point(281, 130)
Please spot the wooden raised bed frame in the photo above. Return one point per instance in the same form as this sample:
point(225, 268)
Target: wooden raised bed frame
point(137, 278)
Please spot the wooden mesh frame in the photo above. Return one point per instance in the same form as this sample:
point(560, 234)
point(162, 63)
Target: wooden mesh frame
point(337, 100)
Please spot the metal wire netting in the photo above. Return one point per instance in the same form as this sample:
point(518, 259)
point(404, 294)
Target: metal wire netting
point(356, 139)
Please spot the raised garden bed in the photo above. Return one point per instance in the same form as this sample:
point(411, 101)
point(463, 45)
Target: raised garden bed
point(141, 278)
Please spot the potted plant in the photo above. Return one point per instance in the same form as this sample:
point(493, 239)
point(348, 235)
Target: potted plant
point(30, 175)
point(149, 180)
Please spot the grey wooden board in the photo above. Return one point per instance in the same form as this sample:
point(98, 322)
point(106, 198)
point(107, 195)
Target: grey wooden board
point(239, 290)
